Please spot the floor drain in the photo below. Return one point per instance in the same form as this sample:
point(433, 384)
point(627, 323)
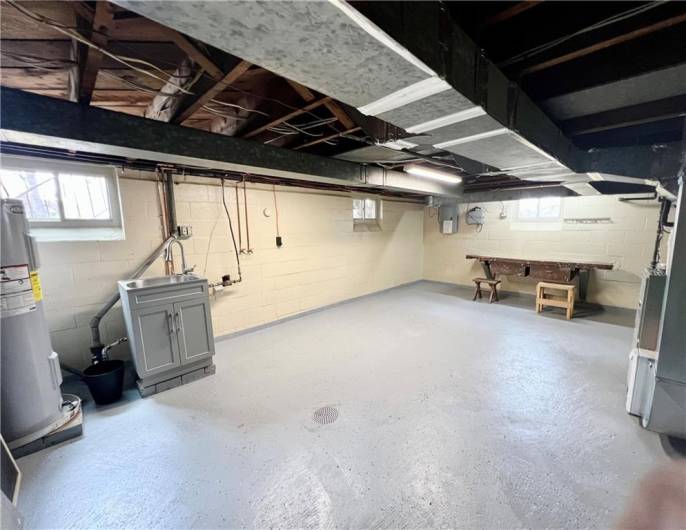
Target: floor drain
point(325, 415)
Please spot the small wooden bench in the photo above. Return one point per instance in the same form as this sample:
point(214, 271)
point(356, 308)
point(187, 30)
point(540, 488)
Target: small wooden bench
point(493, 284)
point(543, 288)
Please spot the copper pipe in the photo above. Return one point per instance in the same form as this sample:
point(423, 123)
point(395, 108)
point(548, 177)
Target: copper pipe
point(240, 231)
point(247, 226)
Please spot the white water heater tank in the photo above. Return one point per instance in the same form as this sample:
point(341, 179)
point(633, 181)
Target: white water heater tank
point(30, 370)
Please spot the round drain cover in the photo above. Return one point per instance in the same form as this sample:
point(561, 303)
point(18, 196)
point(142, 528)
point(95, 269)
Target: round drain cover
point(325, 415)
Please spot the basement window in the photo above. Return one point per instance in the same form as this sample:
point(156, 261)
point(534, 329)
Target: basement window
point(366, 214)
point(64, 201)
point(541, 209)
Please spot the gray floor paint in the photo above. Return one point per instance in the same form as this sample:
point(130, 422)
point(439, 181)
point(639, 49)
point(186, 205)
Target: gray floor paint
point(450, 413)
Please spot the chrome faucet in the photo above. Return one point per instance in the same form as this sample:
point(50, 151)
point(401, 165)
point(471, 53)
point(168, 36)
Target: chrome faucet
point(168, 256)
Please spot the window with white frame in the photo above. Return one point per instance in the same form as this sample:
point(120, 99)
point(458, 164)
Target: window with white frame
point(62, 194)
point(540, 209)
point(366, 212)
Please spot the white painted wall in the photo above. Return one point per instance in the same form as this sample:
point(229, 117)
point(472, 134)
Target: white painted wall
point(323, 260)
point(627, 242)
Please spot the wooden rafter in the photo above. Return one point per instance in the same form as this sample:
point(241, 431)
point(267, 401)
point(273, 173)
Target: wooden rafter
point(619, 39)
point(214, 90)
point(83, 10)
point(290, 115)
point(196, 55)
point(92, 58)
point(331, 105)
point(327, 138)
point(509, 13)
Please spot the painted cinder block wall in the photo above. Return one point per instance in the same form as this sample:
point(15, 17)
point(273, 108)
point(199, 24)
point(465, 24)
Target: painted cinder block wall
point(323, 260)
point(627, 242)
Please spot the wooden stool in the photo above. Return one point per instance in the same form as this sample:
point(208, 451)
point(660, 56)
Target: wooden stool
point(493, 284)
point(542, 301)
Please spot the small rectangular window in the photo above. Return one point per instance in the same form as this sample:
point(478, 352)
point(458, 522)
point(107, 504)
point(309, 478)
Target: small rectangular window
point(62, 194)
point(544, 208)
point(367, 213)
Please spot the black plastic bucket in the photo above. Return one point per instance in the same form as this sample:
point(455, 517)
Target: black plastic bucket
point(105, 380)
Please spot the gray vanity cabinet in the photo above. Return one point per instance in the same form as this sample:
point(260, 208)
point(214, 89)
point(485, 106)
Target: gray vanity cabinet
point(169, 324)
point(192, 319)
point(154, 340)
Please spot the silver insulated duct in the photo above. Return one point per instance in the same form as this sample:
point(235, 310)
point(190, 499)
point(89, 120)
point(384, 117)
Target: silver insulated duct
point(31, 378)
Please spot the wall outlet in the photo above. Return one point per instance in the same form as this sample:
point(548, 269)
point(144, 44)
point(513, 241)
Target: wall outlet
point(184, 231)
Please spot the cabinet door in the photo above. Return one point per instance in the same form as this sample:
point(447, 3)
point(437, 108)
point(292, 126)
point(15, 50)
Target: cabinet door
point(156, 347)
point(194, 330)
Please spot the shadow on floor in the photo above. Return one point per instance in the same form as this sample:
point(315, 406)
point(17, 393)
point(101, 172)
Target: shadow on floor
point(675, 448)
point(609, 315)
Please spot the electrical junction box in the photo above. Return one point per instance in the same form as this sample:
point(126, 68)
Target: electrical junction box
point(184, 231)
point(447, 218)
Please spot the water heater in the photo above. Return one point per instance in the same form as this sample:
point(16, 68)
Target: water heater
point(32, 404)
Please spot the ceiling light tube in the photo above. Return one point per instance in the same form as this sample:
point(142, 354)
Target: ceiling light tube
point(424, 171)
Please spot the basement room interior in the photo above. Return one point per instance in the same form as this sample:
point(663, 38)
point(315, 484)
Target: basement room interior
point(343, 264)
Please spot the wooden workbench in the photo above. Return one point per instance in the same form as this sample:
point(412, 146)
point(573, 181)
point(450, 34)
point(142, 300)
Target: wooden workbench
point(552, 271)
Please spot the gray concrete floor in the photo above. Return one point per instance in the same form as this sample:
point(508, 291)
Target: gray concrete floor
point(451, 413)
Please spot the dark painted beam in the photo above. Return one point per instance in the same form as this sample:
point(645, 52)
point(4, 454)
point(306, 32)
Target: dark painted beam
point(635, 114)
point(660, 161)
point(42, 121)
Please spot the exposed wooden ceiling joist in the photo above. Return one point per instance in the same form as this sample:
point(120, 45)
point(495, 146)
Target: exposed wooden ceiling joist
point(194, 53)
point(619, 39)
point(202, 99)
point(331, 105)
point(506, 14)
point(290, 115)
point(327, 138)
point(92, 57)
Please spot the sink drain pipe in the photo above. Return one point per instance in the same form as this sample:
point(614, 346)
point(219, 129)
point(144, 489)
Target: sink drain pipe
point(96, 343)
point(169, 219)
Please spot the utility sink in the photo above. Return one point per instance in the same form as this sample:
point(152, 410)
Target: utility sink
point(161, 281)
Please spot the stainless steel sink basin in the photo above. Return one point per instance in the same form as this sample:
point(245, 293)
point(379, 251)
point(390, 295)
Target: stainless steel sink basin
point(162, 281)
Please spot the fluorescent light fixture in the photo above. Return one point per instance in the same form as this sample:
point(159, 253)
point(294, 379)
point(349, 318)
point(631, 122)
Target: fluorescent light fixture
point(380, 35)
point(450, 119)
point(436, 174)
point(595, 176)
point(472, 138)
point(399, 98)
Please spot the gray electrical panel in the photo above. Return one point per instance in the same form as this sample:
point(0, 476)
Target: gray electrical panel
point(447, 218)
point(169, 325)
